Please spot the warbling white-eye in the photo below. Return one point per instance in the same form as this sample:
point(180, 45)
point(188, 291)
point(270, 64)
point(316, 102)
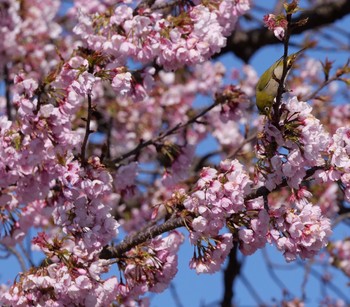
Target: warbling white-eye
point(267, 86)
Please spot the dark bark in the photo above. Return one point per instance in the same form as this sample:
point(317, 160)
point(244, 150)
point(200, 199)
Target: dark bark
point(231, 272)
point(244, 44)
point(142, 237)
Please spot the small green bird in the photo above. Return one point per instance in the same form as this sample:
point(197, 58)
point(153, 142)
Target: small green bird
point(267, 86)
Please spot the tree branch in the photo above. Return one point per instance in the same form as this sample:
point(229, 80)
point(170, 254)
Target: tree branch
point(244, 44)
point(87, 131)
point(144, 4)
point(164, 134)
point(231, 272)
point(330, 284)
point(337, 77)
point(132, 241)
point(174, 222)
point(281, 88)
point(19, 257)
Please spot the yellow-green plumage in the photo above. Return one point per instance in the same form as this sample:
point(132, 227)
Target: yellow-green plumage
point(267, 86)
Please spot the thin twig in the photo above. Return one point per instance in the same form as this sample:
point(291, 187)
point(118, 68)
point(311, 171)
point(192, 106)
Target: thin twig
point(281, 89)
point(332, 39)
point(279, 266)
point(238, 149)
point(146, 227)
point(87, 131)
point(163, 135)
point(19, 257)
point(4, 249)
point(202, 161)
point(330, 284)
point(323, 85)
point(27, 254)
point(271, 271)
point(340, 218)
point(305, 280)
point(88, 122)
point(175, 295)
point(251, 290)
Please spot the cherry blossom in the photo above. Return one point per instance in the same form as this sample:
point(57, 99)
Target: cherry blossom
point(277, 24)
point(100, 127)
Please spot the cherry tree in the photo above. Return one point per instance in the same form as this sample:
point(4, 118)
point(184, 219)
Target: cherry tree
point(101, 116)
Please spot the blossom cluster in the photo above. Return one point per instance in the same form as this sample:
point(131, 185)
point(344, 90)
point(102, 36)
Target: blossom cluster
point(218, 194)
point(30, 36)
point(277, 24)
point(43, 135)
point(299, 143)
point(61, 285)
point(150, 267)
point(296, 227)
point(299, 229)
point(253, 227)
point(173, 41)
point(209, 258)
point(50, 182)
point(81, 209)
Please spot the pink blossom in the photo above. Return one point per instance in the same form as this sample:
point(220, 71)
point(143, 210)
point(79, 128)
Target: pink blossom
point(255, 236)
point(55, 175)
point(219, 194)
point(307, 143)
point(180, 167)
point(208, 259)
point(125, 178)
point(277, 24)
point(307, 230)
point(122, 83)
point(159, 266)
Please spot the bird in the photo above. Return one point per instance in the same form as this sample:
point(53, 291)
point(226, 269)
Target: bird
point(267, 86)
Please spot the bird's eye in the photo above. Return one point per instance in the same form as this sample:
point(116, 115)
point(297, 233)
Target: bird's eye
point(267, 109)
